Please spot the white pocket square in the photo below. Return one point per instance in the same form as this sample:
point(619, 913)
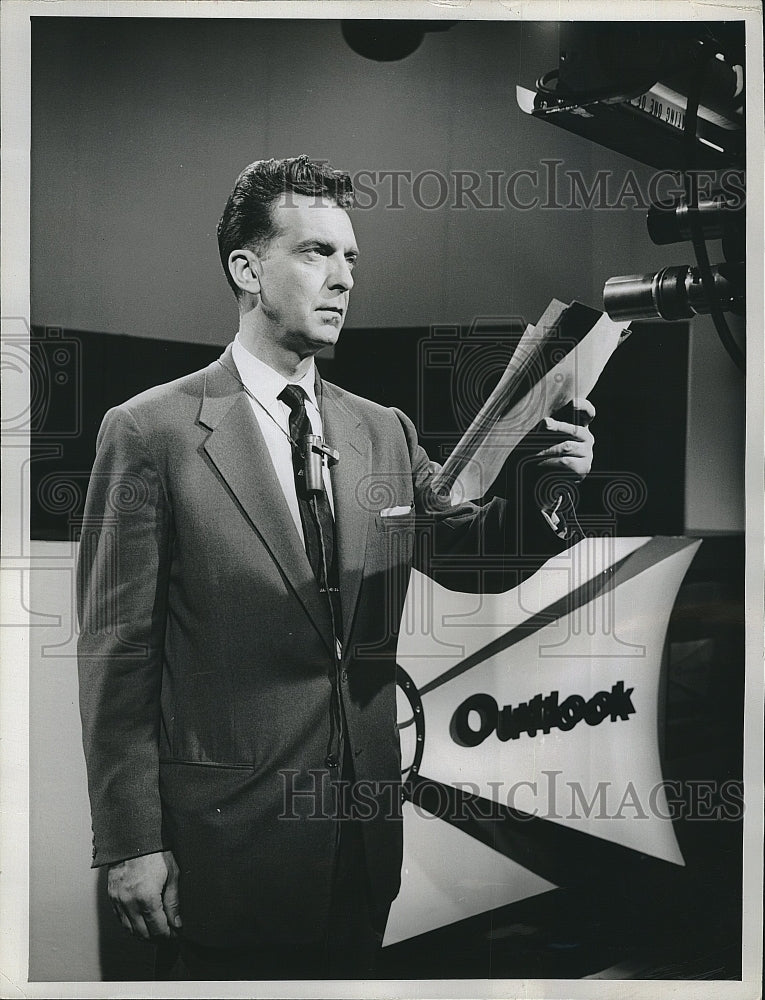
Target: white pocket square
point(395, 511)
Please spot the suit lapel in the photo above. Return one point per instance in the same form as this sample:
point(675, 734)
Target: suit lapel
point(343, 431)
point(237, 449)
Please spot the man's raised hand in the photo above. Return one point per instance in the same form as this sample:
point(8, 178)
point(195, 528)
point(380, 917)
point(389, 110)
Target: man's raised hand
point(568, 439)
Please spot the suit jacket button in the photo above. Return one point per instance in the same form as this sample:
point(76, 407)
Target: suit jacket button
point(331, 760)
point(344, 675)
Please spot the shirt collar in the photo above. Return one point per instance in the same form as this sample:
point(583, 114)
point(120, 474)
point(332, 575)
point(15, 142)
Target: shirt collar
point(265, 382)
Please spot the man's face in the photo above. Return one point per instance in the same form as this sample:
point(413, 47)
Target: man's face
point(305, 274)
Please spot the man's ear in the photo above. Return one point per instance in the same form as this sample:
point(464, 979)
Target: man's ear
point(244, 267)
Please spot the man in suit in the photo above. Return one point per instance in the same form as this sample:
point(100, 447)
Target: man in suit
point(238, 627)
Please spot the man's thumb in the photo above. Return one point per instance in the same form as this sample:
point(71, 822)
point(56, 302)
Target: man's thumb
point(171, 903)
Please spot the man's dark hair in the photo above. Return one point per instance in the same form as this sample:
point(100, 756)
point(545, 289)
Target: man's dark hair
point(247, 220)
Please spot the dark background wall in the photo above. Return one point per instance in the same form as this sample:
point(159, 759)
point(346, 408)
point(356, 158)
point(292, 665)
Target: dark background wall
point(140, 127)
point(439, 382)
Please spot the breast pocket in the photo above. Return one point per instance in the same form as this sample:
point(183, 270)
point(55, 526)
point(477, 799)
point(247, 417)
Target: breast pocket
point(396, 522)
point(395, 535)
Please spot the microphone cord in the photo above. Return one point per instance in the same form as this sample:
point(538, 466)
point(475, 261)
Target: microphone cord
point(265, 409)
point(336, 717)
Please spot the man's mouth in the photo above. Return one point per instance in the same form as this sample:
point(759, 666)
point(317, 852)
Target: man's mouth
point(333, 309)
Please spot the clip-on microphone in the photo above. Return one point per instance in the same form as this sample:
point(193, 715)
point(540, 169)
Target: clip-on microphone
point(315, 451)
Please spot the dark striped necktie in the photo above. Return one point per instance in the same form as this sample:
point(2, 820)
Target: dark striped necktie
point(315, 511)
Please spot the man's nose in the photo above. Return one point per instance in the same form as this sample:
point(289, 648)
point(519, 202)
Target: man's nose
point(341, 275)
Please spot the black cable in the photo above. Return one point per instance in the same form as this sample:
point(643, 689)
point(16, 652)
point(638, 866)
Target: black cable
point(697, 235)
point(582, 98)
point(336, 715)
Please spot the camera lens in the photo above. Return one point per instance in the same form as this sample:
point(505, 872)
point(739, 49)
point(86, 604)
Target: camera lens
point(673, 293)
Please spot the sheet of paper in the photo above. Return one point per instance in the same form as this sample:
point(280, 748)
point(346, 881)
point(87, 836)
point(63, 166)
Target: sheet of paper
point(505, 419)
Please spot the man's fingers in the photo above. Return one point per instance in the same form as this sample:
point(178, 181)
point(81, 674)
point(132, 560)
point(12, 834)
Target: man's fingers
point(123, 918)
point(565, 448)
point(138, 927)
point(132, 920)
point(147, 919)
point(156, 922)
point(571, 456)
point(170, 897)
point(561, 429)
point(142, 918)
point(578, 464)
point(584, 411)
point(572, 468)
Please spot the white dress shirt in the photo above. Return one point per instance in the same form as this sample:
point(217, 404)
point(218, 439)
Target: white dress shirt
point(273, 416)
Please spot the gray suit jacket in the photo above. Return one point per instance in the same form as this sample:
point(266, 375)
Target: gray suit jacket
point(205, 651)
